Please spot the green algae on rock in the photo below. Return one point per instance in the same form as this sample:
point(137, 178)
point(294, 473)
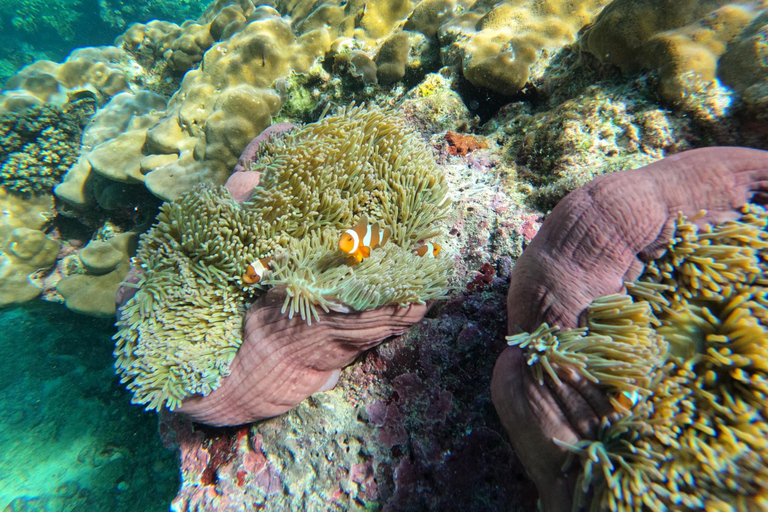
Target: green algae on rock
point(179, 333)
point(689, 375)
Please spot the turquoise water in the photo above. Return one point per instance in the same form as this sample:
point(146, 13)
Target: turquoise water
point(69, 437)
point(33, 30)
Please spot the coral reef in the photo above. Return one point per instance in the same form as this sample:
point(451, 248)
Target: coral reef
point(410, 427)
point(222, 103)
point(105, 263)
point(589, 124)
point(179, 333)
point(517, 116)
point(684, 43)
point(500, 44)
point(108, 150)
point(96, 70)
point(38, 147)
point(24, 247)
point(36, 17)
point(599, 255)
point(433, 107)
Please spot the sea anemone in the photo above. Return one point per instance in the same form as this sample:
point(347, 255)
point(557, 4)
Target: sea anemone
point(179, 334)
point(684, 357)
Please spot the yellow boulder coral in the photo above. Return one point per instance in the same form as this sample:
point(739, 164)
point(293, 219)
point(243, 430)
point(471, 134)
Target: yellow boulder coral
point(502, 43)
point(682, 41)
point(24, 248)
point(105, 263)
point(93, 69)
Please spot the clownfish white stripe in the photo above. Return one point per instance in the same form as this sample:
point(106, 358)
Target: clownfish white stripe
point(255, 271)
point(355, 240)
point(428, 250)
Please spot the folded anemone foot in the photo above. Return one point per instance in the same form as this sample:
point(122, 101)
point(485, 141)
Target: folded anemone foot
point(243, 180)
point(601, 234)
point(595, 239)
point(534, 415)
point(284, 360)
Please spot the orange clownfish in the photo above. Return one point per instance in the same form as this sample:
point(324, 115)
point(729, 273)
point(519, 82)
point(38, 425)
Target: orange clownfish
point(358, 241)
point(256, 270)
point(429, 249)
point(628, 399)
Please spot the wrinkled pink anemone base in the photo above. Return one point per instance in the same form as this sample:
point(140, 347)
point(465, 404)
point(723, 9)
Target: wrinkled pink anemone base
point(601, 234)
point(596, 238)
point(241, 183)
point(282, 361)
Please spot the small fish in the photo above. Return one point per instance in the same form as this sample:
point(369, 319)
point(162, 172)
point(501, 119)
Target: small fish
point(256, 270)
point(80, 95)
point(429, 249)
point(358, 241)
point(628, 399)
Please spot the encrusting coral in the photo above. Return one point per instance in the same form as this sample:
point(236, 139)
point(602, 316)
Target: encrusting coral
point(105, 264)
point(39, 145)
point(684, 357)
point(595, 240)
point(24, 247)
point(181, 330)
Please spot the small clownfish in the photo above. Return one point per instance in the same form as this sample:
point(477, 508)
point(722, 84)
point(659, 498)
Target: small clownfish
point(358, 241)
point(256, 270)
point(628, 399)
point(429, 249)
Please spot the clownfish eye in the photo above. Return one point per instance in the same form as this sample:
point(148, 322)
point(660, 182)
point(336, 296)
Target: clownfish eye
point(345, 243)
point(250, 276)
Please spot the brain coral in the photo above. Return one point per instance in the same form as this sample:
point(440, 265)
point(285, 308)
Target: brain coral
point(181, 331)
point(597, 238)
